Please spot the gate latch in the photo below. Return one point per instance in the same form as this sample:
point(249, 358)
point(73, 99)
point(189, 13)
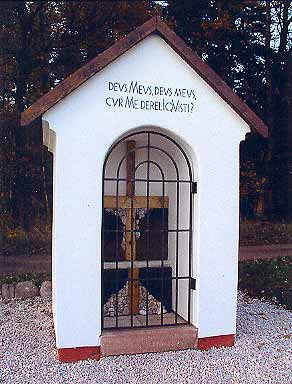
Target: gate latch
point(193, 284)
point(194, 187)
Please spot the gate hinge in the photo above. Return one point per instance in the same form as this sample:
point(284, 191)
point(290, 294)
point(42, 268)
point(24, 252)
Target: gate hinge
point(193, 283)
point(194, 187)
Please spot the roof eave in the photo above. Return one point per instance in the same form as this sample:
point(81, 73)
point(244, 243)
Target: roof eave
point(154, 25)
point(87, 71)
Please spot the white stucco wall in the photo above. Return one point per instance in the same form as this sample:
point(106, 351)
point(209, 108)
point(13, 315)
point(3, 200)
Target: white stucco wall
point(85, 128)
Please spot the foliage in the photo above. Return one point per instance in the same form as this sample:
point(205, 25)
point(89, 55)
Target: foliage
point(42, 43)
point(255, 232)
point(36, 278)
point(248, 43)
point(229, 35)
point(17, 241)
point(271, 279)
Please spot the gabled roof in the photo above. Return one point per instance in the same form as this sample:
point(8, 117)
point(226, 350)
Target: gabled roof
point(154, 25)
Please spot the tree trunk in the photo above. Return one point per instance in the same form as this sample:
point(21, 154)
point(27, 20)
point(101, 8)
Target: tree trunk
point(269, 111)
point(22, 191)
point(280, 144)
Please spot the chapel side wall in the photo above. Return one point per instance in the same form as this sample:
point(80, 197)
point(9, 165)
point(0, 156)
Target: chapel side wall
point(219, 237)
point(77, 243)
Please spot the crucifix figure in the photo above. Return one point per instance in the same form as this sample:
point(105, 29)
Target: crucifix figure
point(131, 203)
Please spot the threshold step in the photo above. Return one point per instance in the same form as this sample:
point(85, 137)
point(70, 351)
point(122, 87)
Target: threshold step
point(144, 340)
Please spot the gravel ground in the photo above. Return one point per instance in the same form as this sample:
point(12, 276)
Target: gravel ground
point(262, 353)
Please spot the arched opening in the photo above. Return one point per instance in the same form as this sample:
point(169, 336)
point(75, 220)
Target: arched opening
point(147, 230)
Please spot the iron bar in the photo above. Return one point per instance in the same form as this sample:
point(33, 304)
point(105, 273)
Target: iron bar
point(153, 133)
point(145, 230)
point(162, 253)
point(102, 261)
point(147, 234)
point(145, 180)
point(132, 260)
point(190, 251)
point(160, 278)
point(152, 147)
point(176, 250)
point(117, 255)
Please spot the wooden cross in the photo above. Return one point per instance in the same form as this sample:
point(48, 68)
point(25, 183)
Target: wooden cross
point(130, 203)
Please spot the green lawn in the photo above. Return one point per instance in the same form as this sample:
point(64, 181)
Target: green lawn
point(271, 279)
point(255, 232)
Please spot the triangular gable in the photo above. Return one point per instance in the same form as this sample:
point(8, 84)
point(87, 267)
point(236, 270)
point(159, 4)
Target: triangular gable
point(154, 25)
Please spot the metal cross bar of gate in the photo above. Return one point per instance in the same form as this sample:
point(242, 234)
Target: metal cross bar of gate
point(130, 203)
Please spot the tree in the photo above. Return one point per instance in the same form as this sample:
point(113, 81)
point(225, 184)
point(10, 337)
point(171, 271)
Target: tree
point(280, 137)
point(41, 44)
point(247, 43)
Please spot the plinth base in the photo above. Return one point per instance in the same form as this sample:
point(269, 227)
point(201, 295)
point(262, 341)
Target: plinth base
point(71, 355)
point(206, 343)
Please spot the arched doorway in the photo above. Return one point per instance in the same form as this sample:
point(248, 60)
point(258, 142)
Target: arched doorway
point(147, 230)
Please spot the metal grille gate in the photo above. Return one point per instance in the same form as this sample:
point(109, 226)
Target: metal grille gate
point(133, 276)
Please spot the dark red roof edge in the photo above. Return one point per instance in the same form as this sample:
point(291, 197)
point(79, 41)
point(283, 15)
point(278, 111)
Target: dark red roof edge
point(154, 25)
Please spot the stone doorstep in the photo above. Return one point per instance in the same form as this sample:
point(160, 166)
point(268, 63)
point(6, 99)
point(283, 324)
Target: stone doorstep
point(155, 339)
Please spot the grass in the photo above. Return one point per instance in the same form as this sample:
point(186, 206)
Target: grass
point(255, 232)
point(271, 279)
point(36, 278)
point(16, 241)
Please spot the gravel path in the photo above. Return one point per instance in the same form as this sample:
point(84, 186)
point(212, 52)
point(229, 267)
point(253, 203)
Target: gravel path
point(262, 354)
